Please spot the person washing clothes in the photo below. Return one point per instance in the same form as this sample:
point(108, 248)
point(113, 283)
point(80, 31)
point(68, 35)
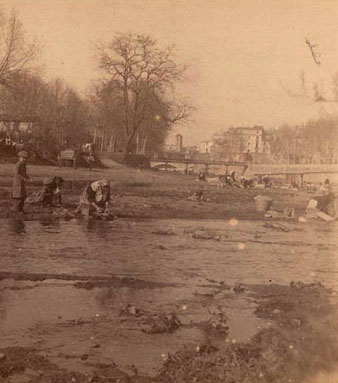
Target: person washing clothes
point(95, 199)
point(50, 194)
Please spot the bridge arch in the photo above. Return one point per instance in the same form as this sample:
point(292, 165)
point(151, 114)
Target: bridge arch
point(164, 166)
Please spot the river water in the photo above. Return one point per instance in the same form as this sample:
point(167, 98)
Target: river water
point(66, 321)
point(174, 250)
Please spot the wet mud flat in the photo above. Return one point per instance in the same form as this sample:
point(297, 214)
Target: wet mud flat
point(293, 339)
point(168, 301)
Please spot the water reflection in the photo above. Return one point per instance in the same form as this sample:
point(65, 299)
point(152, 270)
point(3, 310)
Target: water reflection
point(98, 228)
point(16, 226)
point(139, 249)
point(98, 225)
point(50, 223)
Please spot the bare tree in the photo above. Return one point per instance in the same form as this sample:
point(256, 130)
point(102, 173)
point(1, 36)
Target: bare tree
point(312, 142)
point(106, 110)
point(139, 72)
point(16, 54)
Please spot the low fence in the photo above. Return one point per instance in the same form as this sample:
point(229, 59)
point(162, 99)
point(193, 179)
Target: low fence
point(309, 173)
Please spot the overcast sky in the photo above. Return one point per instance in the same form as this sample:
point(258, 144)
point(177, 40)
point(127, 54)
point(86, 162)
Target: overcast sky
point(245, 57)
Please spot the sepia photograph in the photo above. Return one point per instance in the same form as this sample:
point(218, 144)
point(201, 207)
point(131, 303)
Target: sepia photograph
point(168, 191)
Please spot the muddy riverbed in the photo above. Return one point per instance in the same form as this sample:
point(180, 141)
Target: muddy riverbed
point(172, 290)
point(122, 298)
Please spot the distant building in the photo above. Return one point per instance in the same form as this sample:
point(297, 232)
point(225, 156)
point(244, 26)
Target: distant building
point(248, 139)
point(170, 148)
point(205, 146)
point(179, 142)
point(177, 146)
point(11, 125)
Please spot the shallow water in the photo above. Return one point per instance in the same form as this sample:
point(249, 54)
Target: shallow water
point(67, 321)
point(242, 251)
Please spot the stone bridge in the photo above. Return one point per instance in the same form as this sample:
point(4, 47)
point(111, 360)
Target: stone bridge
point(194, 166)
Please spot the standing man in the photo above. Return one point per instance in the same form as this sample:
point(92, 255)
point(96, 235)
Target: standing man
point(19, 192)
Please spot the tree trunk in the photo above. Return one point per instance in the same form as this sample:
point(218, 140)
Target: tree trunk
point(110, 146)
point(129, 142)
point(128, 149)
point(102, 141)
point(95, 136)
point(144, 145)
point(138, 143)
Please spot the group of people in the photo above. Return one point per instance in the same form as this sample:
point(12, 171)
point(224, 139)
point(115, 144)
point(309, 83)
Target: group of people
point(94, 199)
point(231, 180)
point(7, 145)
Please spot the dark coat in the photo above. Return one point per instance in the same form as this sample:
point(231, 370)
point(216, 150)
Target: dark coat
point(19, 181)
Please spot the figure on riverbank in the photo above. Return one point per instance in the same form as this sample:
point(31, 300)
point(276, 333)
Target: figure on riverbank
point(90, 161)
point(51, 193)
point(267, 181)
point(19, 192)
point(95, 199)
point(324, 203)
point(327, 186)
point(201, 176)
point(247, 183)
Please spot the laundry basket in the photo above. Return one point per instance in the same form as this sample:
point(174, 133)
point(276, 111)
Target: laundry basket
point(263, 203)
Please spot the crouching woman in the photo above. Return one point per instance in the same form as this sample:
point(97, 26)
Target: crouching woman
point(95, 199)
point(51, 194)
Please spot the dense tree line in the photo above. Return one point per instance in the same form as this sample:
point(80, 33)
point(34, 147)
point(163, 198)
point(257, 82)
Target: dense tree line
point(130, 109)
point(312, 142)
point(58, 113)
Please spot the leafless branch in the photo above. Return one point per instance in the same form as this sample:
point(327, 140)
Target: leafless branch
point(312, 47)
point(16, 55)
point(145, 75)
